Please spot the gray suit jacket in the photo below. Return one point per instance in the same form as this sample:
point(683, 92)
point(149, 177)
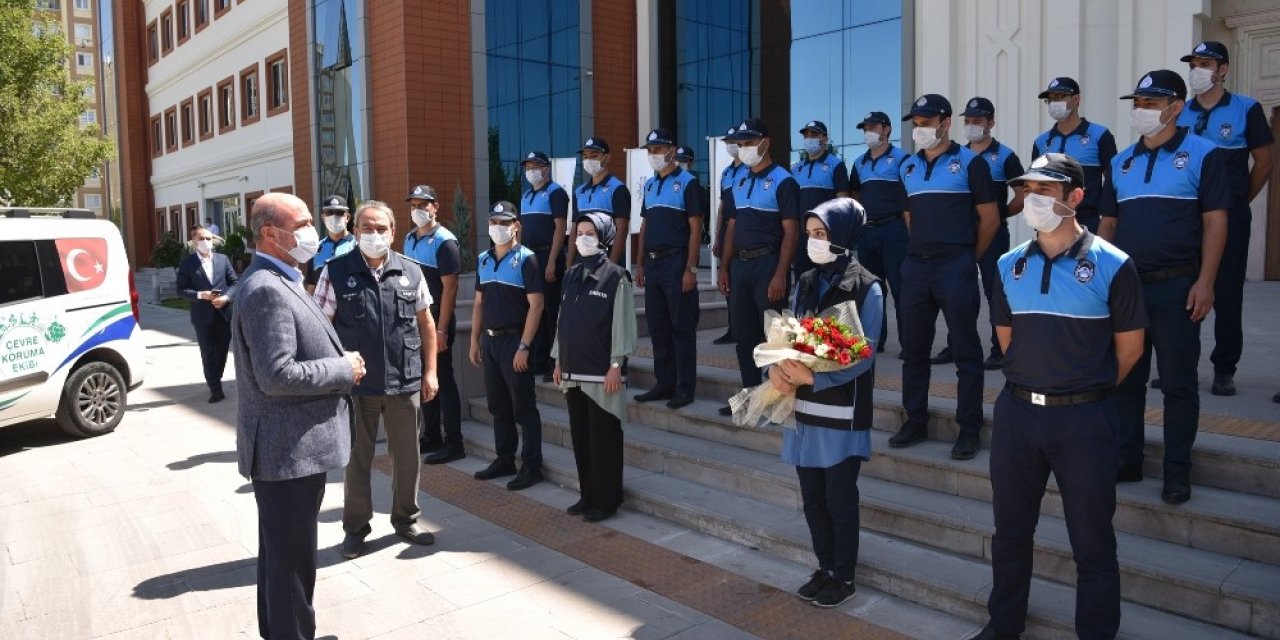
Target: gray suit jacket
point(292, 381)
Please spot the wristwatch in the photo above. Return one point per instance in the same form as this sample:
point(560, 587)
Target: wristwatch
point(523, 347)
point(614, 365)
point(693, 269)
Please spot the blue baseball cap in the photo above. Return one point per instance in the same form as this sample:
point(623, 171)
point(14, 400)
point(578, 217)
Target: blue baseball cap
point(536, 156)
point(929, 105)
point(1209, 49)
point(659, 137)
point(1161, 83)
point(979, 107)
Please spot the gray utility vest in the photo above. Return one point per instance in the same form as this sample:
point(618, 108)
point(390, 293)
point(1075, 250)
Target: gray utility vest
point(378, 319)
point(586, 321)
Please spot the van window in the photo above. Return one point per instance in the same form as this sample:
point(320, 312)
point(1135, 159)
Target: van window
point(29, 270)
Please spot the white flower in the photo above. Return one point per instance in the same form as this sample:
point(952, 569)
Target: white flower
point(821, 350)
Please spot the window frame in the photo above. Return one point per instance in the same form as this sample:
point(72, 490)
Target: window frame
point(156, 132)
point(153, 42)
point(171, 132)
point(282, 57)
point(218, 13)
point(187, 122)
point(11, 251)
point(182, 20)
point(285, 189)
point(202, 134)
point(196, 7)
point(247, 74)
point(166, 31)
point(223, 116)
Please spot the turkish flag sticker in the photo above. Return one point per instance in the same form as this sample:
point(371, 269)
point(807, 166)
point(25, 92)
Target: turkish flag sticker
point(84, 262)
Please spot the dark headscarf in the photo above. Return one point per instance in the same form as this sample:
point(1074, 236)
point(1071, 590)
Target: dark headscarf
point(845, 220)
point(605, 231)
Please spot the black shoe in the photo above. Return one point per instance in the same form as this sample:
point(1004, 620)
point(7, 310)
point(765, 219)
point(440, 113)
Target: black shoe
point(1155, 383)
point(966, 447)
point(907, 436)
point(989, 633)
point(417, 534)
point(811, 588)
point(578, 508)
point(1276, 397)
point(655, 394)
point(943, 357)
point(1224, 384)
point(726, 410)
point(596, 515)
point(727, 338)
point(1177, 490)
point(430, 445)
point(445, 455)
point(352, 546)
point(680, 401)
point(994, 361)
point(216, 396)
point(496, 469)
point(525, 479)
point(834, 593)
point(1129, 473)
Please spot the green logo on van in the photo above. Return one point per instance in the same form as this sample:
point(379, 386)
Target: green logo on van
point(23, 338)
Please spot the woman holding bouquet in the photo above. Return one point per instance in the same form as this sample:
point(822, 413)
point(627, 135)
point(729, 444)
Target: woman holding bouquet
point(833, 410)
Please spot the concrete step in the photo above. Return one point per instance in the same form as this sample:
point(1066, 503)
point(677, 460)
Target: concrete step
point(934, 578)
point(1205, 585)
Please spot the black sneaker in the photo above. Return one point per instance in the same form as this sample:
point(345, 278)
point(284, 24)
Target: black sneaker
point(578, 508)
point(496, 469)
point(834, 593)
point(597, 515)
point(217, 396)
point(1224, 384)
point(1177, 490)
point(1129, 473)
point(655, 394)
point(680, 401)
point(430, 445)
point(908, 435)
point(445, 455)
point(525, 479)
point(994, 361)
point(726, 410)
point(1276, 397)
point(727, 338)
point(966, 447)
point(352, 546)
point(811, 588)
point(943, 357)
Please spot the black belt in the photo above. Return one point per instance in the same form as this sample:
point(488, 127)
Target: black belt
point(542, 249)
point(940, 254)
point(879, 221)
point(1057, 399)
point(505, 331)
point(752, 254)
point(662, 253)
point(1148, 277)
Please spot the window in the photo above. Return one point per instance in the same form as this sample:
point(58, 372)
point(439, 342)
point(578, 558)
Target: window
point(227, 104)
point(82, 5)
point(220, 7)
point(157, 136)
point(202, 14)
point(90, 92)
point(92, 201)
point(166, 31)
point(84, 63)
point(49, 5)
point(288, 189)
point(183, 16)
point(250, 198)
point(153, 43)
point(83, 34)
point(89, 117)
point(187, 121)
point(20, 272)
point(278, 82)
point(171, 129)
point(249, 95)
point(204, 114)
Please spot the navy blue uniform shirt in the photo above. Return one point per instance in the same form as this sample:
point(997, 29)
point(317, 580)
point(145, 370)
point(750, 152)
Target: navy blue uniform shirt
point(820, 180)
point(669, 202)
point(942, 197)
point(539, 211)
point(328, 251)
point(439, 254)
point(505, 285)
point(611, 197)
point(761, 201)
point(1004, 164)
point(1237, 125)
point(878, 182)
point(1093, 146)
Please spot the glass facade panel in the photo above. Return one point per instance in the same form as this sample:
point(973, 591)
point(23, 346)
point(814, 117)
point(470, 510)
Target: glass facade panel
point(714, 84)
point(340, 98)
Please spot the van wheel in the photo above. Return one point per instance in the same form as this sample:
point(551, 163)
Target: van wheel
point(93, 400)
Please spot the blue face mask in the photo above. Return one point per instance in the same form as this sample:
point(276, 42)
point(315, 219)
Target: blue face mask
point(813, 146)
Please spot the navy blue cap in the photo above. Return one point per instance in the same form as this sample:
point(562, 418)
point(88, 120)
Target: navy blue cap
point(536, 156)
point(335, 203)
point(1061, 85)
point(422, 192)
point(979, 107)
point(816, 126)
point(1209, 49)
point(730, 131)
point(595, 144)
point(875, 117)
point(1052, 167)
point(1161, 83)
point(659, 137)
point(750, 129)
point(684, 153)
point(929, 105)
point(504, 210)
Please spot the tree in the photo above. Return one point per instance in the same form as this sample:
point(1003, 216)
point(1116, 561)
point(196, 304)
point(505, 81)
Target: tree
point(45, 155)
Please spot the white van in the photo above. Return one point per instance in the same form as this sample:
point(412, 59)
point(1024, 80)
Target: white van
point(70, 343)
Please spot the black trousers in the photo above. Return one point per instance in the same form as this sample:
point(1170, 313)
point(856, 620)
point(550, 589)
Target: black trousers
point(830, 499)
point(1079, 444)
point(511, 401)
point(214, 340)
point(540, 351)
point(988, 271)
point(672, 316)
point(444, 410)
point(597, 448)
point(288, 511)
point(1228, 292)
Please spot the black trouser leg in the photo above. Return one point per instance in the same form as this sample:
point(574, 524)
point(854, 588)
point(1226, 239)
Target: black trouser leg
point(830, 499)
point(288, 512)
point(1228, 293)
point(445, 410)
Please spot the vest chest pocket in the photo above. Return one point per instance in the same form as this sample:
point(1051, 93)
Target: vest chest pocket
point(351, 299)
point(412, 357)
point(405, 303)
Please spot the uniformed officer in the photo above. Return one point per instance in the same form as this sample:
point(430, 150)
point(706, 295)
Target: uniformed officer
point(379, 304)
point(760, 242)
point(667, 268)
point(1068, 308)
point(979, 118)
point(875, 181)
point(543, 210)
point(821, 176)
point(596, 333)
point(505, 316)
point(602, 192)
point(338, 242)
point(728, 176)
point(945, 184)
point(1091, 144)
point(436, 248)
point(1173, 194)
point(1238, 126)
point(684, 158)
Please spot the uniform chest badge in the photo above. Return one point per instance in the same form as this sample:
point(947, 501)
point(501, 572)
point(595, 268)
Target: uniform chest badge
point(676, 187)
point(1084, 271)
point(515, 262)
point(1019, 268)
point(1126, 165)
point(1084, 140)
point(351, 282)
point(1225, 130)
point(911, 168)
point(954, 166)
point(1180, 159)
point(768, 182)
point(826, 168)
point(404, 281)
point(993, 156)
point(889, 160)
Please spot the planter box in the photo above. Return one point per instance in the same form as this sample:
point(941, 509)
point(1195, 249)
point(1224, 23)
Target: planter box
point(155, 285)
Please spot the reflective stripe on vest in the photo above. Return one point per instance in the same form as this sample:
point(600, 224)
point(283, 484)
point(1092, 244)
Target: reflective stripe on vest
point(830, 411)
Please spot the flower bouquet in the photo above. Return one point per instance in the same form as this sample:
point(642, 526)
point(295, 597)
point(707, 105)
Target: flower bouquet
point(829, 341)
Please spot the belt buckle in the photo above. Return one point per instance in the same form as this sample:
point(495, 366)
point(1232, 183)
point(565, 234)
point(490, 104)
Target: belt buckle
point(653, 255)
point(1037, 398)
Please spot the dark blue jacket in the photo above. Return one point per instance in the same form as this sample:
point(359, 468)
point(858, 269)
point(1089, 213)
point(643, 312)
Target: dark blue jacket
point(192, 280)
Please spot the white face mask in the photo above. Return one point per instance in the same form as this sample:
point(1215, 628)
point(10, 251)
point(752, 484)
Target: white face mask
point(1038, 211)
point(813, 146)
point(1146, 121)
point(925, 137)
point(501, 234)
point(750, 156)
point(335, 224)
point(1200, 80)
point(871, 139)
point(657, 161)
point(534, 176)
point(820, 251)
point(203, 247)
point(1058, 110)
point(374, 245)
point(307, 243)
point(592, 167)
point(975, 132)
point(420, 217)
point(587, 245)
point(732, 149)
point(683, 165)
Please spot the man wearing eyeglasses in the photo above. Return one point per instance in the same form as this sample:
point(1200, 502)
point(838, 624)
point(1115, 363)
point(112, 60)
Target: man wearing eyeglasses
point(1238, 126)
point(1090, 143)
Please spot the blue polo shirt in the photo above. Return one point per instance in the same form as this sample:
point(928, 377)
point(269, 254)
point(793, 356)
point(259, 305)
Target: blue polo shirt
point(729, 176)
point(1004, 164)
point(1161, 197)
point(1237, 125)
point(539, 211)
point(505, 284)
point(878, 183)
point(439, 255)
point(1093, 146)
point(761, 201)
point(1063, 311)
point(820, 180)
point(611, 197)
point(942, 197)
point(669, 202)
point(328, 251)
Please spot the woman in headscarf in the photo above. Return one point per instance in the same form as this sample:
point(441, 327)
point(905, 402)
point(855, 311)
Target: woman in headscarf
point(595, 334)
point(833, 410)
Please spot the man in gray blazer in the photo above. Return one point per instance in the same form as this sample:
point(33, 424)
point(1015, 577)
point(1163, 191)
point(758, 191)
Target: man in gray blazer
point(294, 419)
